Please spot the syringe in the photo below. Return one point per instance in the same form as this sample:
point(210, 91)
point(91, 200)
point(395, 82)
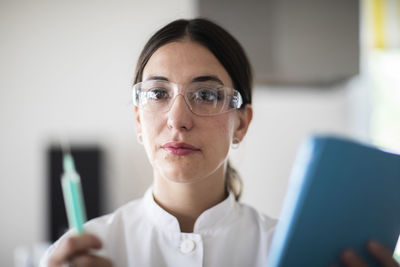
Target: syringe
point(72, 191)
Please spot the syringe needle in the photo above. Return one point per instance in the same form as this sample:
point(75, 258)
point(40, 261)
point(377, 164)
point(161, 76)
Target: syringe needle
point(64, 144)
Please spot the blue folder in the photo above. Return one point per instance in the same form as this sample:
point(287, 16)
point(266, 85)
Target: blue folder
point(340, 195)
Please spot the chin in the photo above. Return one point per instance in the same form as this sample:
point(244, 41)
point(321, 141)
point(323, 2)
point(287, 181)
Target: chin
point(183, 181)
point(181, 178)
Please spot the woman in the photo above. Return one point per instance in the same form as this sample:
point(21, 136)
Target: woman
point(192, 98)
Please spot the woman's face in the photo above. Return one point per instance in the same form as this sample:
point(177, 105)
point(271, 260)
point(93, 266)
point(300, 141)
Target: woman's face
point(167, 135)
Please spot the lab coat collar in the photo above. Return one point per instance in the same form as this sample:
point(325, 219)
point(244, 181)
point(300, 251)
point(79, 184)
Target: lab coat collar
point(208, 222)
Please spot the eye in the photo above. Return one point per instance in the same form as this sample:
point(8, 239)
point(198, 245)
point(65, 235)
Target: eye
point(157, 94)
point(206, 95)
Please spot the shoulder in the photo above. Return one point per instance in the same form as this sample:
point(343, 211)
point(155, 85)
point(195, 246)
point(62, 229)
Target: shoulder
point(264, 222)
point(132, 212)
point(256, 231)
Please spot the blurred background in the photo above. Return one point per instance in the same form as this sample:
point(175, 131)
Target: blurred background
point(66, 69)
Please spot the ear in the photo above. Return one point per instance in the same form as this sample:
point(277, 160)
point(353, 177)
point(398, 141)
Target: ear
point(245, 116)
point(138, 122)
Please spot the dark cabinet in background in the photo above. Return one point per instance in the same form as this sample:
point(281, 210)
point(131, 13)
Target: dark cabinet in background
point(293, 42)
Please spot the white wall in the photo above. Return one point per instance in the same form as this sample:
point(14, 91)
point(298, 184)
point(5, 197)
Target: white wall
point(283, 117)
point(65, 68)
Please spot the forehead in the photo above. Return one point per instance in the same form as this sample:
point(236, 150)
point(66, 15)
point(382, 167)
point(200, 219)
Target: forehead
point(182, 61)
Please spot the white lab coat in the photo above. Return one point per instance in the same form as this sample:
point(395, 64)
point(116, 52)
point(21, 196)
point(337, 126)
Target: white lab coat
point(143, 234)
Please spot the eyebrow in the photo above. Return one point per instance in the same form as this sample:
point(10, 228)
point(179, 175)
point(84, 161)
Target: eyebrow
point(207, 78)
point(157, 78)
point(204, 78)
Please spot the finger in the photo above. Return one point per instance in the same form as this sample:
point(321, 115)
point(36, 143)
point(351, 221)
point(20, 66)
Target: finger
point(89, 260)
point(350, 258)
point(382, 254)
point(74, 245)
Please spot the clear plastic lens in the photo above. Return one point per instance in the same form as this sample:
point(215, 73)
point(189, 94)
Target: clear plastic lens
point(157, 94)
point(202, 98)
point(236, 101)
point(205, 95)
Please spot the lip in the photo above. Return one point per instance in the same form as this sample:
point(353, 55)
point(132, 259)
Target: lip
point(179, 148)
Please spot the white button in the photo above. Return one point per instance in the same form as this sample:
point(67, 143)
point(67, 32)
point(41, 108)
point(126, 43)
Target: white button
point(187, 246)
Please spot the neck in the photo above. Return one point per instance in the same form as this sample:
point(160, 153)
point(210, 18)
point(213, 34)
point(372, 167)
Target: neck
point(186, 201)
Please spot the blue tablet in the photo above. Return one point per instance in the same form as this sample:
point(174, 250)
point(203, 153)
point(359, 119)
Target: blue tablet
point(340, 195)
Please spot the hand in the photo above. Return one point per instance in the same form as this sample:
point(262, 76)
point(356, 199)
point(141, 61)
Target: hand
point(75, 251)
point(383, 255)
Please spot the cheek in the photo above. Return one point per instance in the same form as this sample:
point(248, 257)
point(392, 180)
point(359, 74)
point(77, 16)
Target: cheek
point(151, 129)
point(222, 131)
point(152, 124)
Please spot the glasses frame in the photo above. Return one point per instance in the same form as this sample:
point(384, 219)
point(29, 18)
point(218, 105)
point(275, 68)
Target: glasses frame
point(179, 90)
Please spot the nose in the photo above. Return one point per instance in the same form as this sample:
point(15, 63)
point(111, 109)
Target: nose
point(180, 115)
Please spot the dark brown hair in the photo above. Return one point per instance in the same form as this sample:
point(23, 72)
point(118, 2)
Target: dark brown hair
point(224, 47)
